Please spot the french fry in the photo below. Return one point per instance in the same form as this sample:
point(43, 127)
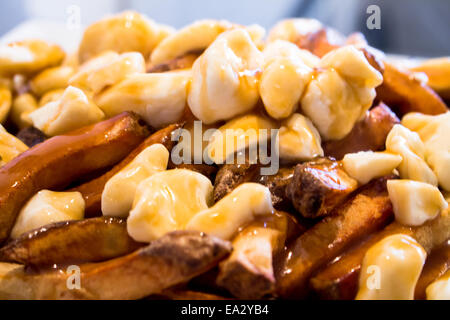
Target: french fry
point(90, 240)
point(230, 176)
point(317, 187)
point(438, 73)
point(92, 190)
point(248, 273)
point(368, 135)
point(31, 136)
point(339, 280)
point(59, 161)
point(166, 262)
point(278, 184)
point(321, 42)
point(366, 211)
point(404, 93)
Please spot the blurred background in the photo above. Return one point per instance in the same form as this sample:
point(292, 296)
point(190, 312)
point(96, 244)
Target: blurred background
point(412, 27)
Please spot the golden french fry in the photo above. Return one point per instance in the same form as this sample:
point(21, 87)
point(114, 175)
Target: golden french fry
point(368, 210)
point(438, 73)
point(173, 259)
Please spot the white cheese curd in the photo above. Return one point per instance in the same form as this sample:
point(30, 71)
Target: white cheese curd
point(341, 92)
point(166, 202)
point(391, 268)
point(292, 29)
point(299, 140)
point(415, 202)
point(435, 133)
point(237, 135)
point(234, 211)
point(225, 78)
point(73, 111)
point(439, 289)
point(195, 37)
point(119, 192)
point(366, 166)
point(284, 78)
point(48, 207)
point(410, 147)
point(106, 70)
point(160, 98)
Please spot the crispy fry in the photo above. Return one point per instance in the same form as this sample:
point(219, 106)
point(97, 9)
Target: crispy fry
point(230, 176)
point(92, 190)
point(339, 280)
point(437, 264)
point(367, 135)
point(438, 72)
point(318, 187)
point(166, 262)
point(58, 161)
point(404, 93)
point(248, 273)
point(90, 240)
point(278, 185)
point(184, 62)
point(31, 136)
point(368, 210)
point(321, 42)
point(373, 59)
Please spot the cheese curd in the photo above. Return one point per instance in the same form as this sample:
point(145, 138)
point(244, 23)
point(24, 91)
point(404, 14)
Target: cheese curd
point(106, 70)
point(51, 96)
point(439, 289)
point(195, 37)
point(5, 103)
point(28, 57)
point(391, 268)
point(341, 92)
point(415, 202)
point(292, 29)
point(284, 49)
point(234, 211)
point(283, 80)
point(244, 132)
point(299, 140)
point(126, 32)
point(366, 166)
point(160, 98)
point(10, 146)
point(166, 202)
point(225, 78)
point(21, 108)
point(408, 144)
point(74, 110)
point(434, 132)
point(51, 79)
point(119, 192)
point(48, 207)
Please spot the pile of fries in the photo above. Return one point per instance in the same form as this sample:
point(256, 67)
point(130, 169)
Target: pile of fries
point(93, 206)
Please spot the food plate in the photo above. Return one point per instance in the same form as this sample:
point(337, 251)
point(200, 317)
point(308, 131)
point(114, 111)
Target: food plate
point(220, 161)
